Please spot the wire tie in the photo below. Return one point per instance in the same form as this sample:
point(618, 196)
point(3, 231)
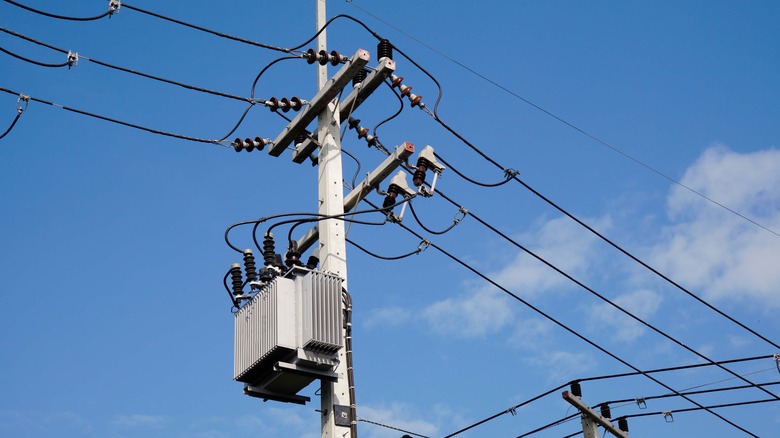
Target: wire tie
point(641, 403)
point(512, 411)
point(113, 6)
point(777, 361)
point(510, 173)
point(22, 98)
point(424, 244)
point(462, 211)
point(73, 59)
point(668, 417)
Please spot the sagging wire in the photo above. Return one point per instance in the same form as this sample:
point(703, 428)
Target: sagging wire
point(19, 110)
point(131, 71)
point(420, 248)
point(120, 122)
point(509, 174)
point(363, 420)
point(397, 113)
point(70, 62)
point(459, 216)
point(113, 7)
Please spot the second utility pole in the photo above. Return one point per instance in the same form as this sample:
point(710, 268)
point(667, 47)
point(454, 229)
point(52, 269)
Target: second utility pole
point(332, 253)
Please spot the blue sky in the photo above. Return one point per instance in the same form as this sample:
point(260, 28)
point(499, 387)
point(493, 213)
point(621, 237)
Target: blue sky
point(113, 319)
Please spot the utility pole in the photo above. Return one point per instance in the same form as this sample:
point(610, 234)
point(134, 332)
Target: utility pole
point(591, 420)
point(332, 253)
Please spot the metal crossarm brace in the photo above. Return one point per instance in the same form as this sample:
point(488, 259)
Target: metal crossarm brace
point(401, 154)
point(589, 415)
point(350, 104)
point(319, 102)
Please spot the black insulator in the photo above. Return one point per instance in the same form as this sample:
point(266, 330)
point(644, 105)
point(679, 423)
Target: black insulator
point(623, 424)
point(259, 143)
point(384, 49)
point(278, 262)
point(250, 145)
point(266, 275)
point(372, 140)
point(300, 138)
point(576, 389)
point(311, 56)
point(249, 265)
point(238, 145)
point(353, 123)
point(269, 249)
point(392, 193)
point(419, 173)
point(359, 77)
point(335, 58)
point(312, 262)
point(285, 104)
point(292, 258)
point(323, 57)
point(296, 103)
point(605, 411)
point(238, 282)
point(273, 104)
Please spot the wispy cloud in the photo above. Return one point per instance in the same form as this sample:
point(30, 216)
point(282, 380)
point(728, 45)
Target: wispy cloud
point(387, 316)
point(715, 251)
point(140, 420)
point(399, 415)
point(621, 327)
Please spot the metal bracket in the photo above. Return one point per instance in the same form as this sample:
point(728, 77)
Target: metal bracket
point(342, 415)
point(319, 102)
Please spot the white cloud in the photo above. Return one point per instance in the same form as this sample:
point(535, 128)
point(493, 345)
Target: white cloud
point(531, 334)
point(387, 316)
point(642, 303)
point(480, 312)
point(713, 250)
point(140, 420)
point(485, 309)
point(562, 366)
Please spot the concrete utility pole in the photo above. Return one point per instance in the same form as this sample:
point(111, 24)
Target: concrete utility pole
point(333, 257)
point(591, 420)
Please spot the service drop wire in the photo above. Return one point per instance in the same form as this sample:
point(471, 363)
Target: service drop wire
point(32, 61)
point(343, 216)
point(259, 221)
point(569, 329)
point(438, 233)
point(397, 113)
point(420, 248)
point(19, 110)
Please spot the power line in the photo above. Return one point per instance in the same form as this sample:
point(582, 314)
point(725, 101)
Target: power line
point(603, 377)
point(375, 423)
point(67, 63)
point(570, 124)
point(119, 122)
point(113, 6)
point(564, 326)
point(131, 71)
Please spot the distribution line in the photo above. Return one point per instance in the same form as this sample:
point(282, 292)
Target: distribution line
point(112, 8)
point(604, 377)
point(118, 122)
point(572, 125)
point(565, 327)
point(128, 70)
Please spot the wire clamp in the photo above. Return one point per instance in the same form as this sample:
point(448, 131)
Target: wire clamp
point(113, 6)
point(73, 59)
point(777, 361)
point(668, 417)
point(22, 98)
point(641, 403)
point(463, 212)
point(423, 246)
point(512, 411)
point(510, 173)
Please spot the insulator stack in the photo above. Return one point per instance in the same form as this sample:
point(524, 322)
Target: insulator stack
point(392, 193)
point(623, 424)
point(312, 262)
point(269, 249)
point(249, 144)
point(300, 138)
point(419, 173)
point(294, 103)
point(605, 411)
point(249, 265)
point(359, 77)
point(576, 389)
point(238, 282)
point(384, 49)
point(322, 57)
point(406, 91)
point(293, 256)
point(362, 132)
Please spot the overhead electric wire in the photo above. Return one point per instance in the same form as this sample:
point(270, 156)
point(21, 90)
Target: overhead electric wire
point(565, 327)
point(605, 377)
point(419, 249)
point(567, 123)
point(119, 122)
point(134, 72)
point(19, 111)
point(363, 420)
point(455, 222)
point(32, 61)
point(111, 10)
point(724, 405)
